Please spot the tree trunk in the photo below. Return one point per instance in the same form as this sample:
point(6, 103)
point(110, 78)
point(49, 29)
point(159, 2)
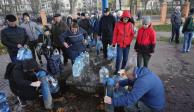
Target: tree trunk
point(35, 6)
point(73, 6)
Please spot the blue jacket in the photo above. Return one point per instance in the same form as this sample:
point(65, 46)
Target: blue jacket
point(147, 87)
point(75, 41)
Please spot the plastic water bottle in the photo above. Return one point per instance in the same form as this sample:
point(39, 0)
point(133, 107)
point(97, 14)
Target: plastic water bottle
point(4, 107)
point(20, 54)
point(104, 73)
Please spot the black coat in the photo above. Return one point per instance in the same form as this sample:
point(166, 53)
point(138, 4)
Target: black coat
point(20, 82)
point(85, 24)
point(11, 36)
point(56, 30)
point(106, 27)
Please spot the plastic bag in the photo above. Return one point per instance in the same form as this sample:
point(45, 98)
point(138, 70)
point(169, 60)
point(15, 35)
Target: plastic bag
point(24, 54)
point(104, 73)
point(4, 107)
point(111, 52)
point(52, 82)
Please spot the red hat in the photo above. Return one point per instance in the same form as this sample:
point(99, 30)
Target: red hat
point(126, 13)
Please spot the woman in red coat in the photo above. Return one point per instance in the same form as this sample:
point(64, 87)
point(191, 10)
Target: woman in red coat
point(145, 43)
point(123, 36)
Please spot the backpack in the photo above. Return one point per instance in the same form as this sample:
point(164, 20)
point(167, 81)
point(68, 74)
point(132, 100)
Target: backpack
point(54, 64)
point(191, 23)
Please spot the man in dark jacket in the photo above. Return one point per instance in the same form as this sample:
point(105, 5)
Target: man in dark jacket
point(57, 29)
point(147, 90)
point(106, 27)
point(24, 82)
point(188, 30)
point(85, 23)
point(176, 22)
point(13, 37)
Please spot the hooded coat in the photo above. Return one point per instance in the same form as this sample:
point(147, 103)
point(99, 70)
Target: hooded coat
point(123, 32)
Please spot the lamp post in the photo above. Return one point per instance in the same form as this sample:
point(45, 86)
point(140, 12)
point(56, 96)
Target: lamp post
point(104, 4)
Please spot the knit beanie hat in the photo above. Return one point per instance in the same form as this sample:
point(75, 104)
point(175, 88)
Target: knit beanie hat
point(146, 20)
point(10, 18)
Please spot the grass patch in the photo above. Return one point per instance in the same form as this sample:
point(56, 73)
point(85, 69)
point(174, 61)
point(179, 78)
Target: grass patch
point(166, 39)
point(2, 49)
point(163, 28)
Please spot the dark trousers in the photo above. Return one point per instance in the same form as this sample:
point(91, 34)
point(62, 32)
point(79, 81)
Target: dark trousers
point(143, 56)
point(64, 51)
point(175, 33)
point(105, 45)
point(122, 55)
point(32, 45)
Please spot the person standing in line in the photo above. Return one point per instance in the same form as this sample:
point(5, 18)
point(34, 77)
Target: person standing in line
point(106, 27)
point(58, 27)
point(31, 29)
point(176, 22)
point(13, 37)
point(123, 36)
point(188, 30)
point(145, 42)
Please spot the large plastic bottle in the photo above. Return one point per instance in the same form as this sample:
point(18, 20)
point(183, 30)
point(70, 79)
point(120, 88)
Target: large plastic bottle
point(4, 107)
point(20, 54)
point(104, 73)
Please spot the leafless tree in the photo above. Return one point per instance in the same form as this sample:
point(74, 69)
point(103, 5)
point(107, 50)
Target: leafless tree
point(72, 6)
point(35, 6)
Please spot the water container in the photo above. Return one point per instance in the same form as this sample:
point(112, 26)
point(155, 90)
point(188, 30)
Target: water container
point(4, 107)
point(20, 54)
point(27, 54)
point(104, 73)
point(111, 52)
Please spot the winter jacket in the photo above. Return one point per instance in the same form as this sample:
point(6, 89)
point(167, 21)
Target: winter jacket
point(146, 87)
point(185, 27)
point(146, 40)
point(85, 24)
point(12, 36)
point(22, 80)
point(75, 41)
point(56, 30)
point(32, 30)
point(176, 19)
point(123, 32)
point(106, 27)
point(95, 28)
